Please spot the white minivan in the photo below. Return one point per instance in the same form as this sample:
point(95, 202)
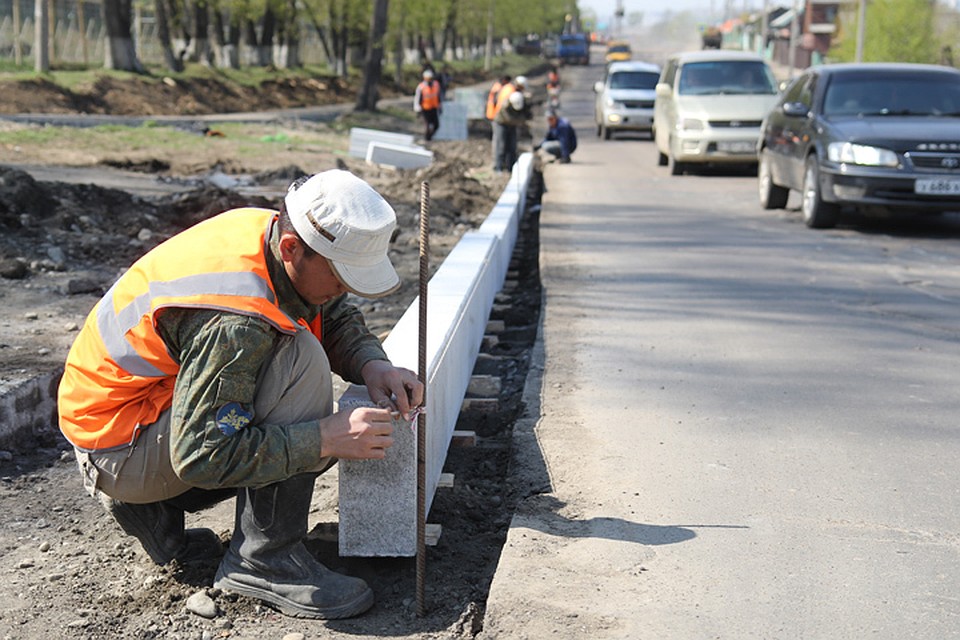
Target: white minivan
point(625, 97)
point(709, 108)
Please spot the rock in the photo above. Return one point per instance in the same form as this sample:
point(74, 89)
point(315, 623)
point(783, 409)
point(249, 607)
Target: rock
point(202, 605)
point(31, 315)
point(81, 285)
point(294, 636)
point(56, 255)
point(14, 269)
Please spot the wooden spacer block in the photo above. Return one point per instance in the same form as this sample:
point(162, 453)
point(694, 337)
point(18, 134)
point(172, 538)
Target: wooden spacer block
point(485, 386)
point(445, 480)
point(431, 534)
point(481, 405)
point(463, 439)
point(496, 326)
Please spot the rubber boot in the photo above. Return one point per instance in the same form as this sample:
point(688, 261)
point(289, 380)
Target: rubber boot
point(267, 560)
point(159, 526)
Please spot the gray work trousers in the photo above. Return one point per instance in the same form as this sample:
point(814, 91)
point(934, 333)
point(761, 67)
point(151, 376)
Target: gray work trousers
point(504, 146)
point(294, 386)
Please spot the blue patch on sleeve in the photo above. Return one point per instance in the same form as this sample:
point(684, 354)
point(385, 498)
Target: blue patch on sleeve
point(232, 417)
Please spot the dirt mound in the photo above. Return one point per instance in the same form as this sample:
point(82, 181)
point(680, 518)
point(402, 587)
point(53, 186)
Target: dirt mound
point(165, 95)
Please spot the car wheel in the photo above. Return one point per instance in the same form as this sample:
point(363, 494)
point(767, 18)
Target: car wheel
point(607, 133)
point(599, 129)
point(662, 159)
point(817, 214)
point(677, 168)
point(772, 196)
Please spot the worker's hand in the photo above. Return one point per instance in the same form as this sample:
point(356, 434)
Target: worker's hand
point(392, 387)
point(357, 434)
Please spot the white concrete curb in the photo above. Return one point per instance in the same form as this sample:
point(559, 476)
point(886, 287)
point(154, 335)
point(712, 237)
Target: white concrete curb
point(378, 504)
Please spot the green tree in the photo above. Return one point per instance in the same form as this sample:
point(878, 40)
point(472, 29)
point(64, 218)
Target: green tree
point(894, 31)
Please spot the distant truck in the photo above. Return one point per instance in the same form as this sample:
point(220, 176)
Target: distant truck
point(574, 48)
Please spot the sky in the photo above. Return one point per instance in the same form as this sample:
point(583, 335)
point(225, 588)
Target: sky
point(653, 9)
point(606, 8)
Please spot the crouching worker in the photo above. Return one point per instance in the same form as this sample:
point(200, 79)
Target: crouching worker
point(204, 373)
point(560, 140)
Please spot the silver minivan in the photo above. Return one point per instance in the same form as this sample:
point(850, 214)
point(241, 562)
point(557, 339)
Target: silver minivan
point(625, 96)
point(709, 108)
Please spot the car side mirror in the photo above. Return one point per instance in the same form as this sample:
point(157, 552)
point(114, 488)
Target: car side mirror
point(663, 90)
point(795, 109)
point(598, 87)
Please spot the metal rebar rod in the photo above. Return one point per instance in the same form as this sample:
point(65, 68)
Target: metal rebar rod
point(422, 418)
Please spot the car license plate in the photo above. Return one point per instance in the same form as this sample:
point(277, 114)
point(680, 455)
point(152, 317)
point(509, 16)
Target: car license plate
point(938, 186)
point(737, 146)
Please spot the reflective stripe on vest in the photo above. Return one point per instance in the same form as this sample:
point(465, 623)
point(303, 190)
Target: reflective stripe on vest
point(430, 95)
point(119, 375)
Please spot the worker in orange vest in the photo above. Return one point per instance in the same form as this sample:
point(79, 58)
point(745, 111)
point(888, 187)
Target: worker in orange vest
point(505, 129)
point(205, 373)
point(491, 111)
point(427, 104)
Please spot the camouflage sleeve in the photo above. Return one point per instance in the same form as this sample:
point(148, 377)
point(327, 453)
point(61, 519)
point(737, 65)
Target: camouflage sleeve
point(216, 440)
point(347, 340)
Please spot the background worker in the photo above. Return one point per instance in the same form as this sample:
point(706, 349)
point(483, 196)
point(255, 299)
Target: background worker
point(205, 373)
point(491, 114)
point(493, 94)
point(553, 88)
point(560, 141)
point(511, 117)
point(427, 103)
point(505, 127)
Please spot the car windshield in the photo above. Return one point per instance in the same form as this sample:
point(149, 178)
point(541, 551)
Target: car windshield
point(726, 77)
point(634, 80)
point(618, 48)
point(893, 94)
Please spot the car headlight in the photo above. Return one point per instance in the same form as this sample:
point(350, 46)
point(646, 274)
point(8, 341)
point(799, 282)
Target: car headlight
point(850, 153)
point(691, 124)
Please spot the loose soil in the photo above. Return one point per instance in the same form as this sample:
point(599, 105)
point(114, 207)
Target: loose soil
point(68, 571)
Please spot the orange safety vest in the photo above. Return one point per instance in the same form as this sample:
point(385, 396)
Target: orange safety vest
point(502, 97)
point(429, 95)
point(492, 100)
point(119, 376)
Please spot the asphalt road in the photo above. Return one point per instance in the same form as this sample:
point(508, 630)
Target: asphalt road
point(747, 429)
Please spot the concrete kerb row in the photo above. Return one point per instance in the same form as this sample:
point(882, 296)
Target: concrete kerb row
point(378, 499)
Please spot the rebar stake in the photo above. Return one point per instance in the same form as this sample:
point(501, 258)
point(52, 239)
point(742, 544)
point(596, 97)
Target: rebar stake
point(422, 418)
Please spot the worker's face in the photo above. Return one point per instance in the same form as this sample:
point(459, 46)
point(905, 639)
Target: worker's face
point(311, 275)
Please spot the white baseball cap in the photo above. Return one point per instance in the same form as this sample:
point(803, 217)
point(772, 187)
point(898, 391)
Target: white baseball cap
point(345, 220)
point(520, 80)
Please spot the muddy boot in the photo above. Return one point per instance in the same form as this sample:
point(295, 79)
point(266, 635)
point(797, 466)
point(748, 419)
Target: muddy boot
point(159, 527)
point(267, 559)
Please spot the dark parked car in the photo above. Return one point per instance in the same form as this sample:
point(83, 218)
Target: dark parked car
point(864, 135)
